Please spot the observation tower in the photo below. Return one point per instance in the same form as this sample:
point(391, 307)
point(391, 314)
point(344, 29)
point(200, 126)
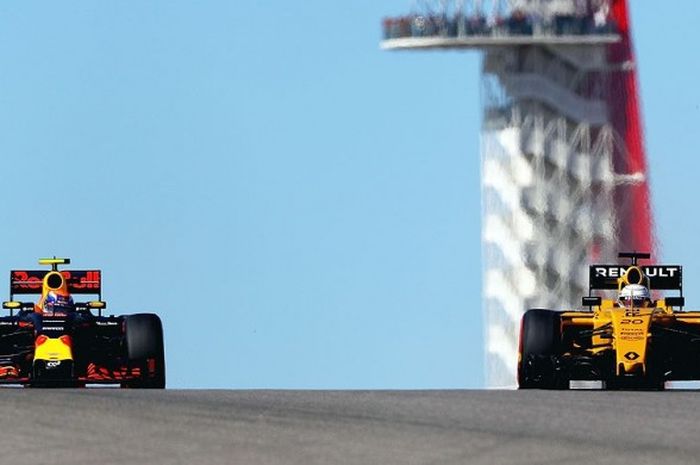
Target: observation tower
point(564, 175)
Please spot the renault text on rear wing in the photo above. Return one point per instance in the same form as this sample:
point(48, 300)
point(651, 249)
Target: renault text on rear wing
point(661, 277)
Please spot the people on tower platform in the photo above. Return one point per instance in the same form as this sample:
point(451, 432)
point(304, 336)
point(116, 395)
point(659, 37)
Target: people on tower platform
point(519, 23)
point(577, 17)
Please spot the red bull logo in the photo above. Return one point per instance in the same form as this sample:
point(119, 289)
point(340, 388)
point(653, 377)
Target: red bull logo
point(78, 281)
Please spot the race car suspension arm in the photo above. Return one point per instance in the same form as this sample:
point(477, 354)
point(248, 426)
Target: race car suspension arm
point(13, 334)
point(16, 355)
point(694, 337)
point(604, 332)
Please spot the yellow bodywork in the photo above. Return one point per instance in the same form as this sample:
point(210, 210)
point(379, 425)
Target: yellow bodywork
point(626, 330)
point(53, 349)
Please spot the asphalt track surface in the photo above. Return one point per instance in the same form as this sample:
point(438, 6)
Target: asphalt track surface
point(348, 427)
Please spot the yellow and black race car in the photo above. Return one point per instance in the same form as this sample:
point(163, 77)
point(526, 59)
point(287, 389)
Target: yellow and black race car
point(58, 342)
point(631, 341)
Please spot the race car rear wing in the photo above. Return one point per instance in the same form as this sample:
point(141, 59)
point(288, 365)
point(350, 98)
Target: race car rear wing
point(661, 277)
point(78, 281)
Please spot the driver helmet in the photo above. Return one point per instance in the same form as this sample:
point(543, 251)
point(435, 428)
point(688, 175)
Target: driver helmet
point(634, 295)
point(56, 302)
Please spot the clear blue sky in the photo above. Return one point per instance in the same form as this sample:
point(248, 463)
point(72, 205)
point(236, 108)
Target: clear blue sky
point(301, 208)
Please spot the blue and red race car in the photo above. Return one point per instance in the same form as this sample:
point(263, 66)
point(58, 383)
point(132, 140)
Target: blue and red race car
point(57, 342)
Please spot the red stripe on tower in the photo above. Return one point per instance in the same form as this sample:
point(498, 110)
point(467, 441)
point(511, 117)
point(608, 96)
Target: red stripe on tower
point(633, 199)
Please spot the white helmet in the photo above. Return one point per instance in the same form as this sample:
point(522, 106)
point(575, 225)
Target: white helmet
point(634, 295)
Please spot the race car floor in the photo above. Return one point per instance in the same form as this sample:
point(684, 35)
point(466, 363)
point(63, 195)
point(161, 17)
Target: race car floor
point(112, 426)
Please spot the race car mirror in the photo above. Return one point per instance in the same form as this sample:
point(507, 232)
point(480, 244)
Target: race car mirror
point(97, 304)
point(591, 301)
point(675, 301)
point(12, 305)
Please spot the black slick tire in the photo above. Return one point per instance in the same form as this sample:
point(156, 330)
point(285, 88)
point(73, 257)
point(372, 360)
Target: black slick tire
point(143, 341)
point(540, 345)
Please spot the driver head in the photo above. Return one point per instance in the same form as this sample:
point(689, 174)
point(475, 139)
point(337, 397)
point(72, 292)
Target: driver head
point(634, 295)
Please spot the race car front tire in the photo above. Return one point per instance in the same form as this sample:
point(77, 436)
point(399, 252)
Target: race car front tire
point(540, 345)
point(143, 338)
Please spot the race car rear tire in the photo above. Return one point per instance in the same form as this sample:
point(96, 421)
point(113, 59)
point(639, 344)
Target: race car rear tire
point(143, 338)
point(540, 346)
